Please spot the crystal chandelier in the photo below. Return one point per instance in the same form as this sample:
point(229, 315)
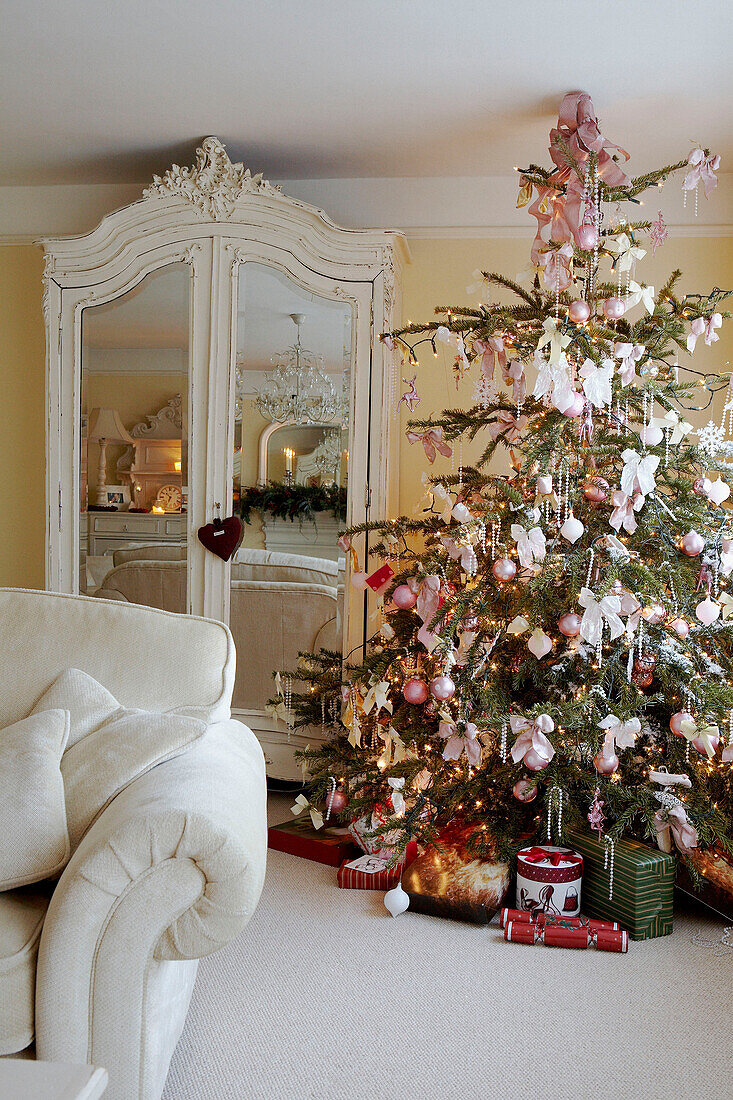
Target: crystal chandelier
point(298, 389)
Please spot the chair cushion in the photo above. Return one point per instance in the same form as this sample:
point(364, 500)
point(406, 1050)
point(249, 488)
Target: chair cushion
point(110, 745)
point(35, 840)
point(21, 920)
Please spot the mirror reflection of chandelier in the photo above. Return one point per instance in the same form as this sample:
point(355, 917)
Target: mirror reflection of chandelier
point(298, 390)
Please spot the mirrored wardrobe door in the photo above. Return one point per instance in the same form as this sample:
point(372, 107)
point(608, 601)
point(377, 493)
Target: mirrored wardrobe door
point(134, 443)
point(293, 475)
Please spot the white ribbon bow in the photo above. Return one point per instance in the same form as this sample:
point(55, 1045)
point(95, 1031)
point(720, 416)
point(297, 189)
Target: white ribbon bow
point(597, 382)
point(617, 549)
point(627, 252)
point(707, 735)
point(532, 735)
point(680, 428)
point(394, 747)
point(555, 379)
point(637, 475)
point(447, 501)
point(552, 336)
point(531, 545)
point(622, 734)
point(726, 602)
point(702, 170)
point(640, 293)
point(629, 354)
point(594, 614)
point(378, 695)
point(301, 805)
point(398, 799)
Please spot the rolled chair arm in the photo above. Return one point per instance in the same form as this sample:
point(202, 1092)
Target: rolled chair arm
point(171, 870)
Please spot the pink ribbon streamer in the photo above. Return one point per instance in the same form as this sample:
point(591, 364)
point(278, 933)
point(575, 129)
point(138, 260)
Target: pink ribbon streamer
point(699, 326)
point(557, 274)
point(532, 735)
point(507, 425)
point(491, 350)
point(432, 440)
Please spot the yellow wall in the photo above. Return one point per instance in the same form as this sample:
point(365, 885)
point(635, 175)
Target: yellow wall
point(22, 418)
point(438, 275)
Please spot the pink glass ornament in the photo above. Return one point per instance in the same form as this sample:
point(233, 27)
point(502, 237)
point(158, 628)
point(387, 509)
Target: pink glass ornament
point(681, 627)
point(700, 745)
point(576, 405)
point(692, 544)
point(442, 688)
point(579, 311)
point(606, 763)
point(504, 569)
point(569, 624)
point(534, 761)
point(587, 237)
point(359, 580)
point(596, 490)
point(675, 722)
point(337, 802)
point(415, 691)
point(698, 486)
point(403, 597)
point(614, 308)
point(524, 790)
point(654, 614)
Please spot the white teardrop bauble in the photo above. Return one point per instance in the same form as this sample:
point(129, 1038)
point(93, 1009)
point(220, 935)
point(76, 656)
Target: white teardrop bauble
point(396, 900)
point(717, 491)
point(539, 644)
point(572, 529)
point(707, 611)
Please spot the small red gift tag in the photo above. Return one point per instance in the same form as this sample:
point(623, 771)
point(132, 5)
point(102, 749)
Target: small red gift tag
point(221, 537)
point(380, 579)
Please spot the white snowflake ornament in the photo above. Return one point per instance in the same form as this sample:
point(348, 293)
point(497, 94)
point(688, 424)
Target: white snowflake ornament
point(711, 438)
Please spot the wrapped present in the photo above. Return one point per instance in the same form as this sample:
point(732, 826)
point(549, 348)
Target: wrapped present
point(362, 828)
point(548, 880)
point(372, 873)
point(451, 881)
point(328, 845)
point(627, 881)
point(715, 889)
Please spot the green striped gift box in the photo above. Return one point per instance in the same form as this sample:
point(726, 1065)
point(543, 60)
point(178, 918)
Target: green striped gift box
point(643, 882)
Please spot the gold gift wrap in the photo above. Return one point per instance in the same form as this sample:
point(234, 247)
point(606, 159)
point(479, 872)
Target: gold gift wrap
point(450, 881)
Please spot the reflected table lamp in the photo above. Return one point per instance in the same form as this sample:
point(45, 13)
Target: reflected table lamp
point(105, 427)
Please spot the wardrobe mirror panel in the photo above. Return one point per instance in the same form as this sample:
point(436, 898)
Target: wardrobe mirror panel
point(134, 455)
point(292, 431)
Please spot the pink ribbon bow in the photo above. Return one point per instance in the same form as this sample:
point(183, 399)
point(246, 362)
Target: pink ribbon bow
point(491, 350)
point(458, 743)
point(557, 274)
point(675, 819)
point(624, 506)
point(432, 440)
point(629, 354)
point(702, 170)
point(532, 736)
point(699, 326)
point(508, 425)
point(428, 602)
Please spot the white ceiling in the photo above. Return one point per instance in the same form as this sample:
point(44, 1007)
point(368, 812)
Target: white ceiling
point(99, 92)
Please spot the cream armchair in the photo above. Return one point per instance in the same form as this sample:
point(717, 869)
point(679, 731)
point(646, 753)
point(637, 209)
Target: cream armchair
point(169, 872)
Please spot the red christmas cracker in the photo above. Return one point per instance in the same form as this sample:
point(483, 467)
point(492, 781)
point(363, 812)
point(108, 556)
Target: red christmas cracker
point(559, 935)
point(540, 918)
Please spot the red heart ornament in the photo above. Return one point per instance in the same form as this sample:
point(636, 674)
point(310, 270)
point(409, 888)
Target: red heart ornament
point(222, 536)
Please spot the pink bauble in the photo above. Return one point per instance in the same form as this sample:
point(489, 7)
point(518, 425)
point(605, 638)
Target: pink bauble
point(544, 484)
point(524, 790)
point(579, 311)
point(403, 597)
point(654, 614)
point(569, 624)
point(675, 722)
point(442, 688)
point(681, 627)
point(504, 569)
point(587, 237)
point(726, 545)
point(692, 544)
point(699, 744)
point(415, 691)
point(534, 761)
point(576, 406)
point(359, 580)
point(337, 802)
point(614, 308)
point(596, 490)
point(698, 486)
point(605, 763)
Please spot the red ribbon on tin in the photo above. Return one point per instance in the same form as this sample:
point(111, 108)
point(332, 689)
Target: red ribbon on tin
point(541, 855)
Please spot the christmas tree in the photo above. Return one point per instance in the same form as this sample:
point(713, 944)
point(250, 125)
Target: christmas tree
point(554, 644)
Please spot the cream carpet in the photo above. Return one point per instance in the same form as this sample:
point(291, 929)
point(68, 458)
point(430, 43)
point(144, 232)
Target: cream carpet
point(326, 996)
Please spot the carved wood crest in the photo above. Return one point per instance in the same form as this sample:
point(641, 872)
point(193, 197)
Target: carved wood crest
point(214, 183)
